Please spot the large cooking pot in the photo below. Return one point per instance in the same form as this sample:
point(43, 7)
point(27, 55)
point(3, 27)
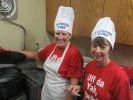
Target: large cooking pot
point(11, 57)
point(11, 82)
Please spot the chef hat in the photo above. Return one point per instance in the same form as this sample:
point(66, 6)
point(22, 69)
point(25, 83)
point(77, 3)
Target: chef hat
point(104, 28)
point(64, 19)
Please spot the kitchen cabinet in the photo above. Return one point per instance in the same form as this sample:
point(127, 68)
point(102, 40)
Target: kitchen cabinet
point(33, 91)
point(86, 15)
point(51, 9)
point(87, 12)
point(34, 82)
point(121, 12)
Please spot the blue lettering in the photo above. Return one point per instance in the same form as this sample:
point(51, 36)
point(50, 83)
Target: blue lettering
point(104, 33)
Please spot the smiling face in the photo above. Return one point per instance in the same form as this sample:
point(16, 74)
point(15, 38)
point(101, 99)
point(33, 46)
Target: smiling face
point(62, 38)
point(100, 50)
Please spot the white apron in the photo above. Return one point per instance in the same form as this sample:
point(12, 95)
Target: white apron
point(54, 87)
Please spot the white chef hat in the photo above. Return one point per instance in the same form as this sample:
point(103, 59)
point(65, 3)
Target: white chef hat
point(64, 19)
point(105, 28)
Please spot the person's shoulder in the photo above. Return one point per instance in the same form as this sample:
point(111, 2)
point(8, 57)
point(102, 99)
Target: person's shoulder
point(74, 52)
point(50, 46)
point(73, 46)
point(91, 63)
point(73, 49)
point(113, 66)
point(117, 70)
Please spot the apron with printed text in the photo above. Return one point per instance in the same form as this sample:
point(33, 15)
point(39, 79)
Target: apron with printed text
point(55, 86)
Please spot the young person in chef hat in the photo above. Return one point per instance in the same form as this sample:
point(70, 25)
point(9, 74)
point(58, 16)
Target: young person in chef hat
point(104, 79)
point(62, 60)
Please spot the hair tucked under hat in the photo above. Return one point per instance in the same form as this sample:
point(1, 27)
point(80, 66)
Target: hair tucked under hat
point(104, 28)
point(64, 19)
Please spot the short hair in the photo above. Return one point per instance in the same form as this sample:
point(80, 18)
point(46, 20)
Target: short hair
point(101, 42)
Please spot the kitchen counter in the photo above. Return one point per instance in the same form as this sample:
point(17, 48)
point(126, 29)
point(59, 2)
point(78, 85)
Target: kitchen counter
point(29, 69)
point(34, 78)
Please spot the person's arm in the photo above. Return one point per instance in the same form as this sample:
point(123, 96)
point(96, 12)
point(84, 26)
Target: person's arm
point(74, 73)
point(29, 54)
point(73, 88)
point(122, 91)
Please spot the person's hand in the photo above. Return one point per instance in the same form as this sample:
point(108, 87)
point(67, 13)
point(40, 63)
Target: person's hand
point(74, 90)
point(4, 49)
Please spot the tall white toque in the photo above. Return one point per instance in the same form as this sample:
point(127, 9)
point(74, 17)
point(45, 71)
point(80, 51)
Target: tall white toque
point(64, 19)
point(105, 28)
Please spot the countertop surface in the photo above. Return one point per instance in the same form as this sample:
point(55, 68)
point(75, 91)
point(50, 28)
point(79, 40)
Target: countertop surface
point(29, 69)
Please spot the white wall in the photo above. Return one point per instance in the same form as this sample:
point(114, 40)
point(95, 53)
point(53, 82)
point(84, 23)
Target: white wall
point(32, 16)
point(11, 36)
